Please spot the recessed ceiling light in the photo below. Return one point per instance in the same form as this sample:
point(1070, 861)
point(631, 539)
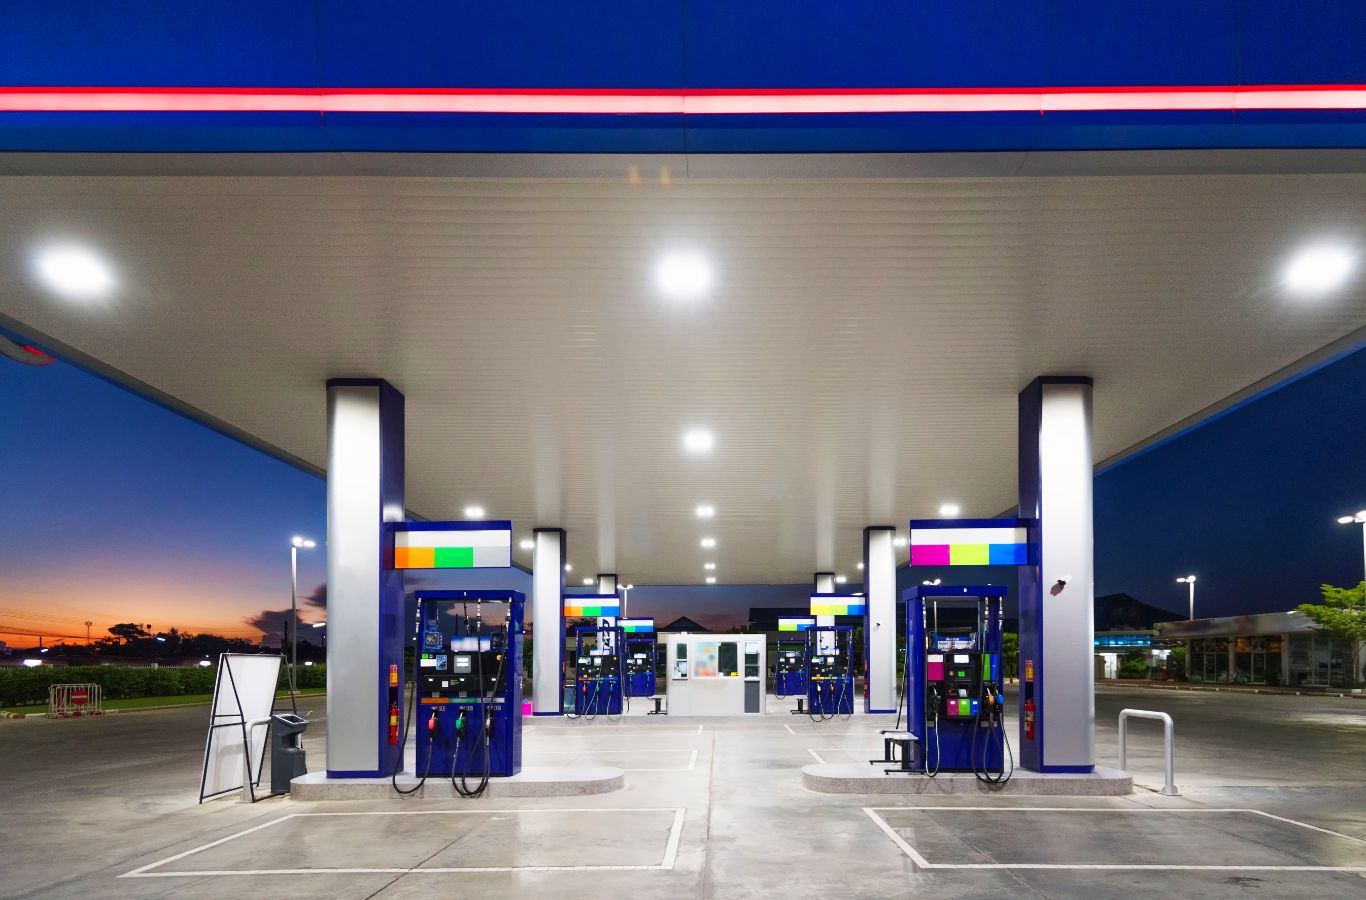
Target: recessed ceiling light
point(840, 579)
point(899, 541)
point(588, 581)
point(707, 543)
point(683, 276)
point(711, 579)
point(568, 567)
point(75, 272)
point(709, 566)
point(1318, 269)
point(949, 509)
point(528, 544)
point(705, 511)
point(698, 440)
point(474, 512)
point(860, 567)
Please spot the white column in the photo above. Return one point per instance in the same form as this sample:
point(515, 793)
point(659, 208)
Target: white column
point(547, 615)
point(365, 627)
point(879, 626)
point(1057, 591)
point(825, 582)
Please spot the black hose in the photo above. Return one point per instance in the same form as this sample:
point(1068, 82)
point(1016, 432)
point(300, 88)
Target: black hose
point(403, 744)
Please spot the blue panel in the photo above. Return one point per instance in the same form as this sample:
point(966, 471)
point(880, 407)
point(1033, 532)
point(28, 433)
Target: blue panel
point(438, 43)
point(864, 43)
point(1164, 42)
point(1008, 555)
point(207, 43)
point(164, 132)
point(1303, 42)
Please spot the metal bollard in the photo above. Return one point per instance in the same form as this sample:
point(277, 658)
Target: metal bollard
point(1169, 788)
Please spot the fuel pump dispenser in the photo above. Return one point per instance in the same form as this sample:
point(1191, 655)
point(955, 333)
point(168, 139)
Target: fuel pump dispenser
point(642, 655)
point(467, 697)
point(829, 671)
point(955, 688)
point(790, 668)
point(599, 671)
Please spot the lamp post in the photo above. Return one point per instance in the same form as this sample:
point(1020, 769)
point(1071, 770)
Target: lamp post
point(625, 598)
point(1360, 517)
point(1189, 580)
point(295, 543)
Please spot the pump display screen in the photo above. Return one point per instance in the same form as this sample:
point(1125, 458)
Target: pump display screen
point(461, 664)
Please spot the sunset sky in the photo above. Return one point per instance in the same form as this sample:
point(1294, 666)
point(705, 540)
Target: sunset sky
point(116, 509)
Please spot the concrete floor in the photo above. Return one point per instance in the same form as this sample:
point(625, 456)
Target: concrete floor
point(1273, 790)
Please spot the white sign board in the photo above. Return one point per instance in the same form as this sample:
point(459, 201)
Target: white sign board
point(243, 693)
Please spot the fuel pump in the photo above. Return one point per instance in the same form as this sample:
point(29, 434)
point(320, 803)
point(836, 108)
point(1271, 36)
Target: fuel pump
point(789, 678)
point(642, 653)
point(829, 672)
point(467, 692)
point(599, 671)
point(955, 684)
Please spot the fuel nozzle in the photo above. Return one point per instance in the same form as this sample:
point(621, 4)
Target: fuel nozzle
point(431, 723)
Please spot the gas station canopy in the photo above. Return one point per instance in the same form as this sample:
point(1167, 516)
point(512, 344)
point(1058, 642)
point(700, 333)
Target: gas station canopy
point(856, 358)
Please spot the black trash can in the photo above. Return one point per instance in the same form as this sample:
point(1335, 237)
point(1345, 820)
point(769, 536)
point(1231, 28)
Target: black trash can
point(286, 750)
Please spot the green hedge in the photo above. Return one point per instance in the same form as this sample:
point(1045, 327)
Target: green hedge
point(22, 686)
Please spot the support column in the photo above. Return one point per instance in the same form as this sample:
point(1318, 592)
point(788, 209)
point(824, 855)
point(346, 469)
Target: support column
point(607, 583)
point(1057, 590)
point(879, 624)
point(364, 590)
point(547, 614)
point(825, 583)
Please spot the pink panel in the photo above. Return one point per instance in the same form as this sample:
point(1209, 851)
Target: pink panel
point(929, 554)
point(934, 671)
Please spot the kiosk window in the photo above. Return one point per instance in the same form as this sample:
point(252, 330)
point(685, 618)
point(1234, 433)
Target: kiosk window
point(729, 660)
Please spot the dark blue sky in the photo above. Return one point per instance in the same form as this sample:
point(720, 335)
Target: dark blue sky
point(118, 509)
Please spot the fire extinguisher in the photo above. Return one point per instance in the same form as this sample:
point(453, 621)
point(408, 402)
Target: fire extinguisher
point(393, 722)
point(1029, 719)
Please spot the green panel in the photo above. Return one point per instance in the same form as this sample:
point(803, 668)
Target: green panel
point(454, 557)
point(969, 554)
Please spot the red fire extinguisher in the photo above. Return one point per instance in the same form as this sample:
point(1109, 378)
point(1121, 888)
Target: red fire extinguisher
point(393, 722)
point(1029, 719)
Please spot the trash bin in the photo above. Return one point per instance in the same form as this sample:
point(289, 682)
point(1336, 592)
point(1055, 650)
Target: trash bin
point(286, 750)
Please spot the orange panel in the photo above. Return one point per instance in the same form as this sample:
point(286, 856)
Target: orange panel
point(414, 557)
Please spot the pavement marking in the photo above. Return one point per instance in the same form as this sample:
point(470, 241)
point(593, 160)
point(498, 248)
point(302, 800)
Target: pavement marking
point(667, 862)
point(922, 863)
point(816, 755)
point(692, 758)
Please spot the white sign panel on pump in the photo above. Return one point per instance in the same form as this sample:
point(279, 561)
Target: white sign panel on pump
point(243, 693)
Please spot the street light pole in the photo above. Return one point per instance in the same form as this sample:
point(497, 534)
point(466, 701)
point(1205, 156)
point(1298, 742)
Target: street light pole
point(1360, 517)
point(1189, 580)
point(294, 546)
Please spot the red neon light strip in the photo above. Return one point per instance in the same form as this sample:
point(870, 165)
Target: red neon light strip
point(819, 101)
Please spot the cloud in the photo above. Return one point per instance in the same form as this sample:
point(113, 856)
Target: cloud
point(317, 599)
point(272, 623)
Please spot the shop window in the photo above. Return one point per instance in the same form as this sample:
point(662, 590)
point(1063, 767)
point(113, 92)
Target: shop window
point(729, 665)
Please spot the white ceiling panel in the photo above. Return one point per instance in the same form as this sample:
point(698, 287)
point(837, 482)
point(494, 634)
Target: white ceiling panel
point(858, 360)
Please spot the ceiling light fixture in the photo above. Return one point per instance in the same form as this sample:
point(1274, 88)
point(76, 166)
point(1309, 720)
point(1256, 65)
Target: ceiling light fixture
point(588, 581)
point(1315, 270)
point(683, 276)
point(949, 509)
point(474, 512)
point(860, 567)
point(75, 272)
point(840, 579)
point(900, 541)
point(528, 544)
point(698, 440)
point(705, 511)
point(568, 567)
point(709, 566)
point(707, 543)
point(711, 579)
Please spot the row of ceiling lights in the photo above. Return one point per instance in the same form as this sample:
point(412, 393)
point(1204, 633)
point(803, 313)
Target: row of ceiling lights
point(79, 273)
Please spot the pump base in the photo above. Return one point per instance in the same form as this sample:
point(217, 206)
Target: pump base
point(867, 779)
point(532, 781)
